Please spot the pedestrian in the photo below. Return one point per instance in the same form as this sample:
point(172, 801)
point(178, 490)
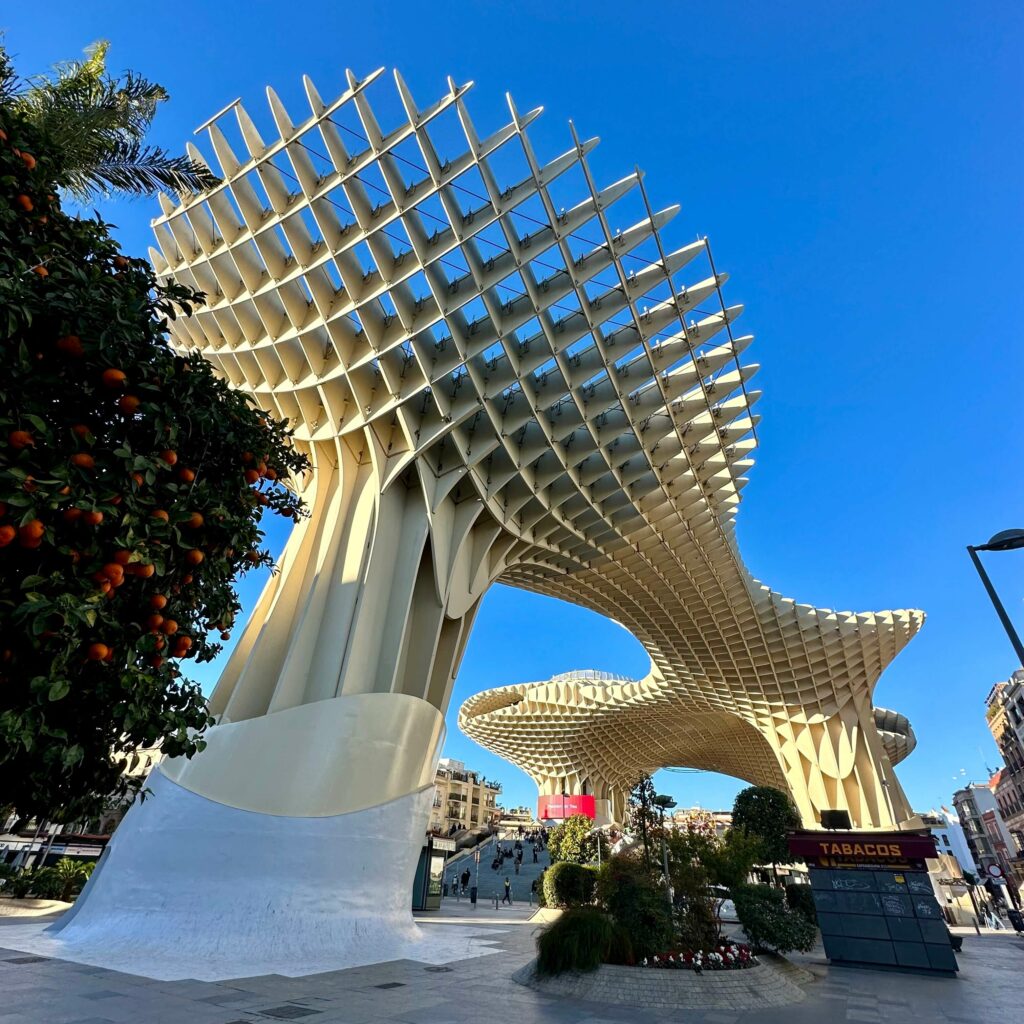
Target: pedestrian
point(535, 855)
point(517, 867)
point(465, 881)
point(507, 898)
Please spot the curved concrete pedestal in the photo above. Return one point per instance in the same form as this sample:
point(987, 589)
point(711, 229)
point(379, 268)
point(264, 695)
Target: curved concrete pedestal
point(190, 888)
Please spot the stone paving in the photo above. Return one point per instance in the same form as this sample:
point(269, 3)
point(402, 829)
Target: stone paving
point(40, 991)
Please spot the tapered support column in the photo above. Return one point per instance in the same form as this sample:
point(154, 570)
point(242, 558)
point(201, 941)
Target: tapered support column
point(293, 837)
point(837, 761)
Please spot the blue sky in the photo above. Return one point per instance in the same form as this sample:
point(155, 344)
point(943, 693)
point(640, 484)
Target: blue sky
point(858, 169)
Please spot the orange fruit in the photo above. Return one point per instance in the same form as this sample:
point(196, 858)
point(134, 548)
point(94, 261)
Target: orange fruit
point(32, 530)
point(169, 456)
point(186, 579)
point(120, 262)
point(155, 621)
point(29, 160)
point(113, 572)
point(98, 652)
point(183, 644)
point(70, 345)
point(170, 627)
point(225, 635)
point(195, 520)
point(160, 514)
point(122, 557)
point(271, 473)
point(251, 476)
point(113, 379)
point(20, 439)
point(156, 662)
point(80, 430)
point(24, 202)
point(92, 518)
point(71, 514)
point(194, 557)
point(83, 460)
point(145, 570)
point(41, 271)
point(158, 601)
point(7, 534)
point(128, 404)
point(188, 475)
point(139, 479)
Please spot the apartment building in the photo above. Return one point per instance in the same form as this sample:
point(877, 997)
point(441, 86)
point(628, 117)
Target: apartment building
point(463, 799)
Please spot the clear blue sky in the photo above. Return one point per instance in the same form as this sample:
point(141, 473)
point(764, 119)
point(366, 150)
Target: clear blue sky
point(858, 168)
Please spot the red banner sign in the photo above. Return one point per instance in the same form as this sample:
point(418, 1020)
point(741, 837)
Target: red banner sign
point(562, 807)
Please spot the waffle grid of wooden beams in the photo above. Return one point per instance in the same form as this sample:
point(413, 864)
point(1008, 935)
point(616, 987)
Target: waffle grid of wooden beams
point(496, 380)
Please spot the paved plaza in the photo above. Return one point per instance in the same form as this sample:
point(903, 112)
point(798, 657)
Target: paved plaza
point(36, 990)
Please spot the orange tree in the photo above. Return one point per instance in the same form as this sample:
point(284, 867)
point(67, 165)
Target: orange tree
point(132, 482)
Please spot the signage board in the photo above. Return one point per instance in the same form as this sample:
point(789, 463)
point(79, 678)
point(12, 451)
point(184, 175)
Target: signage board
point(833, 849)
point(562, 807)
point(441, 843)
point(995, 871)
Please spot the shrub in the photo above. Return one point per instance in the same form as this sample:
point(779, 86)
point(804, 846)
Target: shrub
point(20, 885)
point(621, 949)
point(46, 884)
point(637, 903)
point(580, 940)
point(73, 874)
point(569, 885)
point(768, 922)
point(801, 899)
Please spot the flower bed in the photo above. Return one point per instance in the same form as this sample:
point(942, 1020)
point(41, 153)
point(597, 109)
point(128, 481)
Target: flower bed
point(727, 957)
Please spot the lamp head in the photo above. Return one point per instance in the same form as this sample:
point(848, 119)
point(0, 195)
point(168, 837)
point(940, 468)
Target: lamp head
point(1005, 540)
point(665, 802)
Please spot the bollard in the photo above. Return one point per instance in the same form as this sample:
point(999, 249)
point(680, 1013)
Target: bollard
point(495, 901)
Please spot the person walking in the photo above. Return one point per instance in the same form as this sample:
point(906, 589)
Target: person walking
point(507, 898)
point(535, 855)
point(517, 867)
point(465, 881)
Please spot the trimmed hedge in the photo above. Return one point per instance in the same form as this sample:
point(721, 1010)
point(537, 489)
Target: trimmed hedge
point(801, 899)
point(567, 884)
point(637, 902)
point(768, 922)
point(580, 940)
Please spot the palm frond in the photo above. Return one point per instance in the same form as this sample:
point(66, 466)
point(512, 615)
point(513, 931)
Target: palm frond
point(139, 170)
point(98, 124)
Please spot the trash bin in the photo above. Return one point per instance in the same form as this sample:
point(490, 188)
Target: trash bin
point(472, 895)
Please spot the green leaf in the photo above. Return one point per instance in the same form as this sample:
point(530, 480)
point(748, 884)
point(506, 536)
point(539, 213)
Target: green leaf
point(59, 688)
point(32, 581)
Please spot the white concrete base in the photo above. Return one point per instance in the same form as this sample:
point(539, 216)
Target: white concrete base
point(190, 888)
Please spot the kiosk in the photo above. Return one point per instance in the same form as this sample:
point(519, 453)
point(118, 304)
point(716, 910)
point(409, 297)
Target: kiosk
point(426, 888)
point(875, 902)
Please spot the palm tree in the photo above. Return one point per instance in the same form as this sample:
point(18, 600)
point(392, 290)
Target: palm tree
point(72, 874)
point(96, 125)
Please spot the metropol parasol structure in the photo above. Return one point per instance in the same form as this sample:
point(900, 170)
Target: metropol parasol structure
point(501, 369)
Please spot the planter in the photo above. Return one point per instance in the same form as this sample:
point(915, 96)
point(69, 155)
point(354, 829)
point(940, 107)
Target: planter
point(767, 984)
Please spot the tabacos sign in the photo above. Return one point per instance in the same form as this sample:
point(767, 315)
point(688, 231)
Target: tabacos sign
point(862, 847)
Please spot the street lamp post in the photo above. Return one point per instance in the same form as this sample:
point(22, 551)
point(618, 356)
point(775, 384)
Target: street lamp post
point(665, 803)
point(1007, 540)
